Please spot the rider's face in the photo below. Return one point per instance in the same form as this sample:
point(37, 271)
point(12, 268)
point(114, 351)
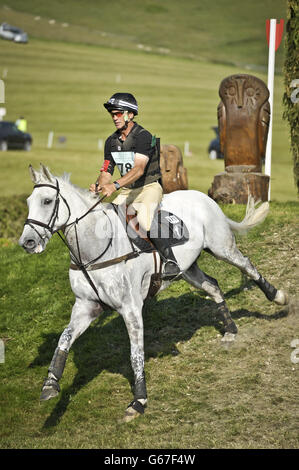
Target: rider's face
point(120, 118)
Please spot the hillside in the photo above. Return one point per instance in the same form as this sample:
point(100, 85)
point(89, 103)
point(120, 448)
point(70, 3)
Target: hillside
point(79, 54)
point(60, 87)
point(229, 32)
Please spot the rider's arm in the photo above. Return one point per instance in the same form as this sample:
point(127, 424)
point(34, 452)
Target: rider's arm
point(104, 178)
point(140, 162)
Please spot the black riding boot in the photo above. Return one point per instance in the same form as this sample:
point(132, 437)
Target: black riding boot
point(171, 267)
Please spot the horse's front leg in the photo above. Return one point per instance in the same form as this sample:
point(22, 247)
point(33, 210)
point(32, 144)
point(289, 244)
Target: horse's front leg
point(83, 313)
point(134, 323)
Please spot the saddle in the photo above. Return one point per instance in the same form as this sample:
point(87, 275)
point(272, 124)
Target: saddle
point(164, 225)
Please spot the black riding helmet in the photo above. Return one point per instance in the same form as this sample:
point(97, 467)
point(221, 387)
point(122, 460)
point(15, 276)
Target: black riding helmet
point(122, 101)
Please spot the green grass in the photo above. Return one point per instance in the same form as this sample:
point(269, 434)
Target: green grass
point(60, 87)
point(201, 394)
point(60, 79)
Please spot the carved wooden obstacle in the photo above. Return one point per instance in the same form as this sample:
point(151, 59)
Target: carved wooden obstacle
point(174, 175)
point(243, 121)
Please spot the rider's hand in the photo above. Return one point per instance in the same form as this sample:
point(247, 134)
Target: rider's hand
point(108, 189)
point(94, 188)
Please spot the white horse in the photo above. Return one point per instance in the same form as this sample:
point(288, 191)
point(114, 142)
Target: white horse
point(109, 273)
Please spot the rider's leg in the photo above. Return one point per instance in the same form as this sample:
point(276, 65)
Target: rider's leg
point(171, 268)
point(146, 204)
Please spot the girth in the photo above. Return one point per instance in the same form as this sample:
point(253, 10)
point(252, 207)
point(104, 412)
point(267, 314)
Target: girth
point(106, 264)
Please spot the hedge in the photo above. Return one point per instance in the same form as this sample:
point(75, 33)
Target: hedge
point(291, 81)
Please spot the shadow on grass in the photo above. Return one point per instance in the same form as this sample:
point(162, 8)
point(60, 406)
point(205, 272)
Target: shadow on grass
point(105, 345)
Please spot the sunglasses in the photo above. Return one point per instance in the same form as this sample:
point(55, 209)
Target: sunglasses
point(117, 113)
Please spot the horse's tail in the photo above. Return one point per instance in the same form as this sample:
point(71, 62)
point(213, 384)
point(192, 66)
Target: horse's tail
point(254, 216)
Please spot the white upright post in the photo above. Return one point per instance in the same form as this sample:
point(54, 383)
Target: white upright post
point(50, 139)
point(187, 152)
point(2, 91)
point(2, 352)
point(271, 66)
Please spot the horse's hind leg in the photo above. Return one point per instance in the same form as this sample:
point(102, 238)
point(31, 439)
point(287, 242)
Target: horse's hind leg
point(201, 280)
point(236, 258)
point(83, 314)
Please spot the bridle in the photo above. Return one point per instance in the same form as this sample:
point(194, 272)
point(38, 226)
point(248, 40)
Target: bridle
point(50, 225)
point(53, 218)
point(84, 267)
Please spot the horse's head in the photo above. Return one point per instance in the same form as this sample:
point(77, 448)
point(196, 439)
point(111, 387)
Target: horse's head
point(48, 211)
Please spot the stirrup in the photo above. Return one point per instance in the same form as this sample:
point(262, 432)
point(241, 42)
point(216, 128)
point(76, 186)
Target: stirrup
point(170, 275)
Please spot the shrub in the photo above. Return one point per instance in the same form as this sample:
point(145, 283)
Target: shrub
point(291, 73)
point(13, 213)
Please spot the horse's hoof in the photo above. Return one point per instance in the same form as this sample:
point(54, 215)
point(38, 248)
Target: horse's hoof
point(48, 393)
point(228, 338)
point(134, 410)
point(231, 328)
point(281, 298)
point(50, 390)
point(130, 414)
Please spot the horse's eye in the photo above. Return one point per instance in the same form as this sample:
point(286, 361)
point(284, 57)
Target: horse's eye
point(47, 202)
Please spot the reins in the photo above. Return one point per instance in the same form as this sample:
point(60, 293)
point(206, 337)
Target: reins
point(78, 265)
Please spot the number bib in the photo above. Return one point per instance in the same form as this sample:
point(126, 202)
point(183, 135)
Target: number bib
point(124, 161)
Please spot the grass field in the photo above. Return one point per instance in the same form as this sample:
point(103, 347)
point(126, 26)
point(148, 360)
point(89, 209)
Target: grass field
point(60, 86)
point(201, 394)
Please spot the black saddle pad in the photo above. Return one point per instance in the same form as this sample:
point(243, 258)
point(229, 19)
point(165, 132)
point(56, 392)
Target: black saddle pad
point(164, 225)
point(168, 225)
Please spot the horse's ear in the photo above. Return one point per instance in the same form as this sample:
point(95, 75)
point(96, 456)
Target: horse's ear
point(46, 172)
point(33, 174)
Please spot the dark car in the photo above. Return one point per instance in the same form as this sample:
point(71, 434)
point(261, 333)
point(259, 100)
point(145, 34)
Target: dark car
point(214, 147)
point(12, 138)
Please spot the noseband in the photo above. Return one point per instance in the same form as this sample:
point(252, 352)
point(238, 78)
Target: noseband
point(50, 225)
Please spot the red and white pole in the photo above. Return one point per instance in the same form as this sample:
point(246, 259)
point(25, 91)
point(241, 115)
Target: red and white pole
point(274, 35)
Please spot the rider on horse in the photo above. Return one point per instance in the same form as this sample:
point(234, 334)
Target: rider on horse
point(136, 153)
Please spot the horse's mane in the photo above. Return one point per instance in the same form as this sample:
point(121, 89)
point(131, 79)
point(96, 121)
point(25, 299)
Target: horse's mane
point(65, 181)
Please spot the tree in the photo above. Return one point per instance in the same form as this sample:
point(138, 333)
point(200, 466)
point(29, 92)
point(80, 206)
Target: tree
point(291, 81)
